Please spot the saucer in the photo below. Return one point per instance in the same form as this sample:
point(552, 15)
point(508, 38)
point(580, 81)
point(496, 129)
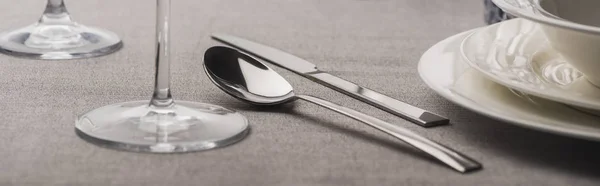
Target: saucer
point(516, 54)
point(443, 69)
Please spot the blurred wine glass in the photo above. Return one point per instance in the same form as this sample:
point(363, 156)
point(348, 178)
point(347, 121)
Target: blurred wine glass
point(56, 36)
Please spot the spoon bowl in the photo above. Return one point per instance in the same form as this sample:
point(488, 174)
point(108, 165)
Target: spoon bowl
point(246, 78)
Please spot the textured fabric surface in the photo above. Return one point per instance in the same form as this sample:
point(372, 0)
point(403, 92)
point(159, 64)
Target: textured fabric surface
point(376, 43)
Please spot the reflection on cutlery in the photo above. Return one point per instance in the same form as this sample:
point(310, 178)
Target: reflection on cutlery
point(249, 80)
point(308, 70)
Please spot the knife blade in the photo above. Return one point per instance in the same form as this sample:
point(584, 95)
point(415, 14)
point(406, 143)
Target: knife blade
point(309, 70)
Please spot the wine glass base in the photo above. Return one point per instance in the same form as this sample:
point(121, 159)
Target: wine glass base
point(59, 41)
point(183, 127)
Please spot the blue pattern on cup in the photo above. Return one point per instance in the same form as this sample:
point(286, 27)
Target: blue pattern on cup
point(493, 14)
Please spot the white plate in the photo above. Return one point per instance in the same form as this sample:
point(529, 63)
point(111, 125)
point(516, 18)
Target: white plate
point(444, 71)
point(516, 54)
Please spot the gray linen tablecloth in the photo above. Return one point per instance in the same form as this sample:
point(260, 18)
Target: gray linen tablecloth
point(373, 43)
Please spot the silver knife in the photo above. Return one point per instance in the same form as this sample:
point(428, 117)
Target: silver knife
point(308, 70)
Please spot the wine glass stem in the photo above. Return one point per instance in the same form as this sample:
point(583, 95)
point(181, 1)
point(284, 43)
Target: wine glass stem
point(56, 13)
point(162, 92)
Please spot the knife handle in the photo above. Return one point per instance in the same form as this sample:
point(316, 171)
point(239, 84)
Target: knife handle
point(414, 114)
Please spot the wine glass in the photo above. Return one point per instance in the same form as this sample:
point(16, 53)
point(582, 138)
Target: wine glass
point(162, 125)
point(57, 36)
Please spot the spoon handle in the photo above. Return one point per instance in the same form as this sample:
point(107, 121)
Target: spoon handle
point(454, 159)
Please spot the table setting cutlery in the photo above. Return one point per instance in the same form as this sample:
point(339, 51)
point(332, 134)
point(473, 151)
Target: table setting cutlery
point(308, 70)
point(247, 79)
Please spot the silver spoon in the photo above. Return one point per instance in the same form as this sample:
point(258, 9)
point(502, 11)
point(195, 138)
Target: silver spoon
point(250, 80)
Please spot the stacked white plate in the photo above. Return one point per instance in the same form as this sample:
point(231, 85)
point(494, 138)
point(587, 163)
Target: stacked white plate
point(510, 71)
